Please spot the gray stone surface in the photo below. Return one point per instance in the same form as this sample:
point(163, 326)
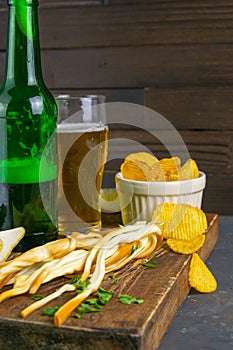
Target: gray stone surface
point(205, 321)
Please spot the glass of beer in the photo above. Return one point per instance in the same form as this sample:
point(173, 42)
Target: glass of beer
point(82, 136)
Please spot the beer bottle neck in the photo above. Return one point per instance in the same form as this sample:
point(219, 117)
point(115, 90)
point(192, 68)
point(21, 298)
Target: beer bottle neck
point(23, 62)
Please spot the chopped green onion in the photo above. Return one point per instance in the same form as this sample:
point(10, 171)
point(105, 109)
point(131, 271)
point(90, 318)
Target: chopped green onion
point(81, 285)
point(38, 297)
point(104, 296)
point(150, 264)
point(133, 249)
point(127, 299)
point(51, 310)
point(91, 305)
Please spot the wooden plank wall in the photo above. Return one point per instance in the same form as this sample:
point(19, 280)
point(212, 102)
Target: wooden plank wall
point(173, 56)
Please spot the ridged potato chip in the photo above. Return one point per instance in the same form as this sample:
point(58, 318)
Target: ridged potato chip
point(133, 171)
point(171, 167)
point(172, 177)
point(180, 221)
point(188, 246)
point(189, 170)
point(142, 157)
point(156, 173)
point(142, 166)
point(200, 277)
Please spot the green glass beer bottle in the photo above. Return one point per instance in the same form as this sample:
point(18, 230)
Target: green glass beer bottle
point(28, 112)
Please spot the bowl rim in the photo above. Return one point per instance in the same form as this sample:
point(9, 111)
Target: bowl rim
point(202, 175)
point(163, 187)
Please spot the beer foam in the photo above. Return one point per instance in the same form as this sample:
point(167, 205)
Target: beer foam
point(80, 127)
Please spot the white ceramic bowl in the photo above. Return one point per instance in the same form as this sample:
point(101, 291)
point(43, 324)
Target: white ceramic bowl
point(138, 199)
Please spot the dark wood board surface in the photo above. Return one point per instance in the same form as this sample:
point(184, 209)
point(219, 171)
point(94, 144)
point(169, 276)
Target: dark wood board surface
point(117, 326)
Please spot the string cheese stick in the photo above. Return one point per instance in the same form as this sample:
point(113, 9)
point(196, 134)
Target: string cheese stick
point(115, 236)
point(113, 250)
point(98, 275)
point(93, 253)
point(7, 278)
point(70, 263)
point(46, 252)
point(44, 301)
point(141, 232)
point(95, 281)
point(60, 291)
point(149, 248)
point(21, 286)
point(122, 251)
point(86, 241)
point(126, 259)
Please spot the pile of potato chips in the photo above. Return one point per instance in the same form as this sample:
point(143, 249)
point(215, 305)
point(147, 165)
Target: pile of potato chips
point(144, 166)
point(183, 225)
point(184, 228)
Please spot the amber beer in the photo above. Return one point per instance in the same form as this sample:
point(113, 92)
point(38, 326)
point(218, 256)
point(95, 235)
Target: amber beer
point(82, 153)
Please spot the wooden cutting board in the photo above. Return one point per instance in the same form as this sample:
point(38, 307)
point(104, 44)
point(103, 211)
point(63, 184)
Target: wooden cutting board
point(117, 326)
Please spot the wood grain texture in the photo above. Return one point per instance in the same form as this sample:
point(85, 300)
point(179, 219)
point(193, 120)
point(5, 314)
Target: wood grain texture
point(131, 66)
point(59, 3)
point(219, 189)
point(174, 57)
point(202, 107)
point(133, 24)
point(212, 150)
point(125, 67)
point(117, 326)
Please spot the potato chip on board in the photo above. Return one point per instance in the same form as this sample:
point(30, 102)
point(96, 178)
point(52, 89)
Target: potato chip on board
point(189, 170)
point(188, 246)
point(200, 277)
point(180, 221)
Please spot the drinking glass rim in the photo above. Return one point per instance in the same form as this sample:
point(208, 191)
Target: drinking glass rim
point(63, 97)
